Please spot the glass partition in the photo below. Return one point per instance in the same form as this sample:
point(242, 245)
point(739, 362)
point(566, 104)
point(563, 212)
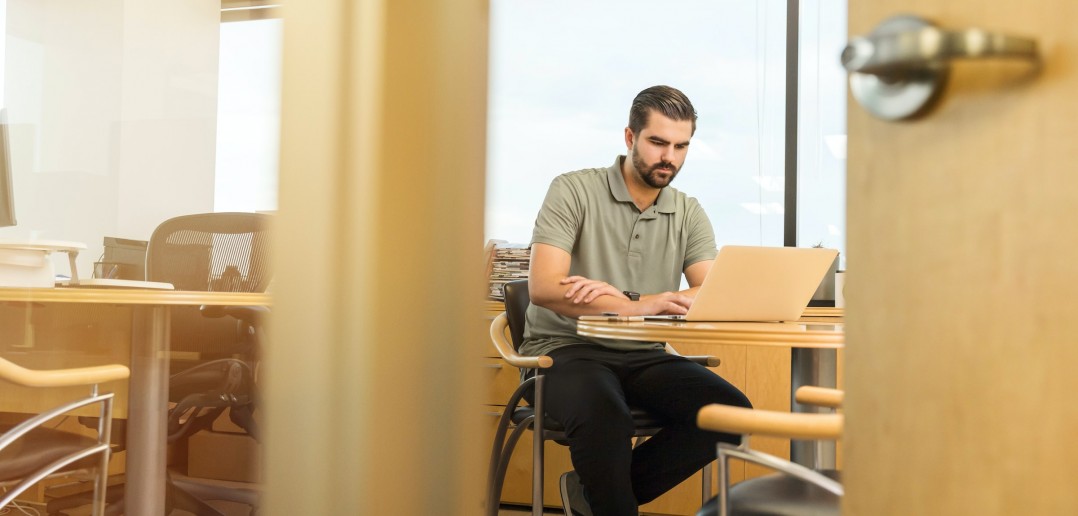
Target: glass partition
point(112, 110)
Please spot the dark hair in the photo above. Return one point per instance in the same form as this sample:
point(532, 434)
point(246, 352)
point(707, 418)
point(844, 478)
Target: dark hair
point(671, 102)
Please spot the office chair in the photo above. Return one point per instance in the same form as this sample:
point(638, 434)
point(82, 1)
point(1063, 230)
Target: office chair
point(518, 418)
point(222, 252)
point(200, 395)
point(794, 490)
point(208, 252)
point(30, 452)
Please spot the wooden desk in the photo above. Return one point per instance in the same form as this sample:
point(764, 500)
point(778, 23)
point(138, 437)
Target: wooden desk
point(818, 330)
point(811, 347)
point(149, 346)
point(757, 361)
point(802, 334)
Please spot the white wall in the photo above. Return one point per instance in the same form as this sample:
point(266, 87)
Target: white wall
point(113, 108)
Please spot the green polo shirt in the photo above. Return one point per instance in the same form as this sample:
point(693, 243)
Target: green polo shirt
point(590, 215)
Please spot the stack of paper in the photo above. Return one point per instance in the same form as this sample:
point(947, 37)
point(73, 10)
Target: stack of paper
point(509, 262)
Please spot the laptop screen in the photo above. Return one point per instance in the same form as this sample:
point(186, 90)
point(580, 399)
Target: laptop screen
point(748, 283)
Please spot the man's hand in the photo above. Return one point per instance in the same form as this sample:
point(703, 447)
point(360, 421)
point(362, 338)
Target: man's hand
point(584, 290)
point(666, 303)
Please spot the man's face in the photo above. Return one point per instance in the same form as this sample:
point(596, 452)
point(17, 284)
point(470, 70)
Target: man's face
point(659, 151)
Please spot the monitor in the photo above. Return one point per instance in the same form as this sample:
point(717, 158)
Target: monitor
point(7, 193)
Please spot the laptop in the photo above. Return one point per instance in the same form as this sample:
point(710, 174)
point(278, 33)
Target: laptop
point(758, 284)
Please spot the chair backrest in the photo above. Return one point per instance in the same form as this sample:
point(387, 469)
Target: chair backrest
point(516, 305)
point(210, 252)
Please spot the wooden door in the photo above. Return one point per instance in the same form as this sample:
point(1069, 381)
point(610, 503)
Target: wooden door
point(962, 290)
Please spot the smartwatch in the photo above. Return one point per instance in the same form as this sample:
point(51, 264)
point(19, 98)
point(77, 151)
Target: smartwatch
point(633, 296)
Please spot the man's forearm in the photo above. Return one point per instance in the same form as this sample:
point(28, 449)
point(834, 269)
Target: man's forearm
point(649, 304)
point(552, 287)
point(604, 303)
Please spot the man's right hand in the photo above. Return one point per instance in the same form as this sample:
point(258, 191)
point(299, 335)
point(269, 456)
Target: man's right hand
point(666, 303)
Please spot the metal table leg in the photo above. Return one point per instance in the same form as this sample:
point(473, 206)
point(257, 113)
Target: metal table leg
point(147, 412)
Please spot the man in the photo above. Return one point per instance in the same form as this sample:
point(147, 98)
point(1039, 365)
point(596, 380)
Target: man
point(618, 240)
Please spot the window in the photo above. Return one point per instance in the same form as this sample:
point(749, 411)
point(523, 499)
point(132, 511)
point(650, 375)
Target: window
point(248, 116)
point(821, 153)
point(564, 73)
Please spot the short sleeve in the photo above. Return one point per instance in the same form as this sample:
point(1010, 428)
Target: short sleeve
point(700, 241)
point(559, 219)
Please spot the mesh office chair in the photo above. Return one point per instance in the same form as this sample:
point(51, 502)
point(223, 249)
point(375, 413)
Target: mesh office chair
point(518, 418)
point(221, 252)
point(794, 490)
point(226, 252)
point(30, 452)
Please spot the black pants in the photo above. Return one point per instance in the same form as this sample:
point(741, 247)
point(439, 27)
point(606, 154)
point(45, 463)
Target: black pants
point(589, 390)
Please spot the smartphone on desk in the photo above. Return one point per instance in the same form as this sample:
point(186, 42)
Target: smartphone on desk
point(608, 317)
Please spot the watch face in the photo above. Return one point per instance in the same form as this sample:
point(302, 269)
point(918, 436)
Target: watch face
point(633, 296)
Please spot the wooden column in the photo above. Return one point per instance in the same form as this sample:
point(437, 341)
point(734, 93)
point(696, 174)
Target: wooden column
point(373, 367)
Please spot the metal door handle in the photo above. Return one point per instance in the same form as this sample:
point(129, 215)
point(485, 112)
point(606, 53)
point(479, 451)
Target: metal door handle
point(914, 50)
point(899, 69)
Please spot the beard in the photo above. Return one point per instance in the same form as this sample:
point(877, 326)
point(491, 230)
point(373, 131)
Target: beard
point(650, 173)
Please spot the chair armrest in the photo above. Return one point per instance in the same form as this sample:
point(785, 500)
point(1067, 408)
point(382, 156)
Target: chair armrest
point(819, 396)
point(249, 314)
point(704, 360)
point(738, 420)
point(505, 349)
point(15, 373)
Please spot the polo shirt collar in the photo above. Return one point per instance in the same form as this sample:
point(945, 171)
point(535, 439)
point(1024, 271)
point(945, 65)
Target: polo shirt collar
point(664, 204)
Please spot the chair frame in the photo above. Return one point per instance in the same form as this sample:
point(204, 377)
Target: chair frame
point(61, 378)
point(502, 448)
point(749, 422)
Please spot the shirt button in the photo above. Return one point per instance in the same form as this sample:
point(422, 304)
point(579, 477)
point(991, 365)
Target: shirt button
point(637, 236)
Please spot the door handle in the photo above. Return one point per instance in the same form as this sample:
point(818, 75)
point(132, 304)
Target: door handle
point(899, 70)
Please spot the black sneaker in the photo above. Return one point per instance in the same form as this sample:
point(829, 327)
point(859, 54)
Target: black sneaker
point(572, 495)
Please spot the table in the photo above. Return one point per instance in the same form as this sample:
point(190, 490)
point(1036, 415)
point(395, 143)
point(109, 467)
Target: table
point(813, 341)
point(813, 334)
point(148, 385)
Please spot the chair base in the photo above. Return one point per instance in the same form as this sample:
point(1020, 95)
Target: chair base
point(778, 495)
point(182, 492)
